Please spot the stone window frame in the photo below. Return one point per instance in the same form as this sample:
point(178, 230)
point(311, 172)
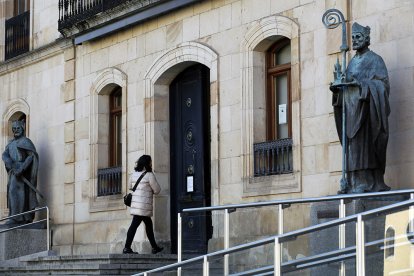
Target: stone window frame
point(259, 37)
point(103, 85)
point(15, 107)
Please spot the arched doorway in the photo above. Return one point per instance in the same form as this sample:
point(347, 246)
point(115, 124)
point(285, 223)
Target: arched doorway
point(190, 179)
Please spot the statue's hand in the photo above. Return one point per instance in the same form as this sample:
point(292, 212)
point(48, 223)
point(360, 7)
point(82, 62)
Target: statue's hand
point(334, 87)
point(18, 171)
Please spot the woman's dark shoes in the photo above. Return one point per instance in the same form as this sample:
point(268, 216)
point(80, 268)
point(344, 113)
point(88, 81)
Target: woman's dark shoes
point(129, 251)
point(157, 249)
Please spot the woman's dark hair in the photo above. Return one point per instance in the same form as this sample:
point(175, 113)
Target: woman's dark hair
point(143, 162)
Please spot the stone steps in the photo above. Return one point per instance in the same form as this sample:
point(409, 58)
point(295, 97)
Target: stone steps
point(109, 264)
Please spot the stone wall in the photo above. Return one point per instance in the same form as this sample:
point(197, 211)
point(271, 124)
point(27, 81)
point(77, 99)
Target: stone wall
point(229, 37)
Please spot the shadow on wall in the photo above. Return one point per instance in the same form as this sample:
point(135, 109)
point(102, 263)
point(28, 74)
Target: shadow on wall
point(43, 148)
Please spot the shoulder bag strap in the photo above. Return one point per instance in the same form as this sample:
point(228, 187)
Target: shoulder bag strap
point(139, 179)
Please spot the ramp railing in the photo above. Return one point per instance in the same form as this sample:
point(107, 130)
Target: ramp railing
point(358, 251)
point(281, 206)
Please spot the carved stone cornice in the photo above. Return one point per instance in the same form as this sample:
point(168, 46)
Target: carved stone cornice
point(36, 55)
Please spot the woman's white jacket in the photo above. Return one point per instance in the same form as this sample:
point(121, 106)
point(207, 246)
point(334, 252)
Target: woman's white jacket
point(142, 197)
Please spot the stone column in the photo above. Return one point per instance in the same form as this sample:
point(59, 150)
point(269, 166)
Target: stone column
point(68, 89)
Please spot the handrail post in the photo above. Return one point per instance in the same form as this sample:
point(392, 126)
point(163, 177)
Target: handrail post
point(342, 244)
point(360, 247)
point(226, 240)
point(411, 215)
point(205, 267)
point(47, 229)
point(277, 258)
point(280, 220)
point(179, 242)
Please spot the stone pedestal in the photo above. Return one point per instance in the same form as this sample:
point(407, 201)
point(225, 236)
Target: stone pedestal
point(21, 242)
point(328, 239)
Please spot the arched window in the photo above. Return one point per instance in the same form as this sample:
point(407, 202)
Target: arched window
point(110, 142)
point(274, 156)
point(389, 242)
point(115, 128)
point(278, 96)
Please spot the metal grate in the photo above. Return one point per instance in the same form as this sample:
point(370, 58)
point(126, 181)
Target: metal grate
point(17, 35)
point(273, 157)
point(109, 181)
point(74, 11)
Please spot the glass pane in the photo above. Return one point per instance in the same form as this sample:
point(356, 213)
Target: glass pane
point(281, 92)
point(21, 6)
point(216, 265)
point(397, 249)
point(192, 269)
point(242, 231)
point(118, 139)
point(283, 55)
point(258, 260)
point(118, 101)
point(330, 269)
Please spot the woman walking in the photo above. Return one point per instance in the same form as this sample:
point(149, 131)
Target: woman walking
point(141, 206)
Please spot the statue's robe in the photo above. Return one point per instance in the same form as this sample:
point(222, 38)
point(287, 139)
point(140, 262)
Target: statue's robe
point(367, 111)
point(21, 198)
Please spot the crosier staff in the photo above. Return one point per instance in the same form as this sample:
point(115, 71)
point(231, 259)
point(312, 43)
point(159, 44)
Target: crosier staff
point(332, 18)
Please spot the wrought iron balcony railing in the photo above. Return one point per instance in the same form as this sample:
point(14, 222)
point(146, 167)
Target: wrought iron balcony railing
point(17, 35)
point(273, 157)
point(75, 11)
point(109, 181)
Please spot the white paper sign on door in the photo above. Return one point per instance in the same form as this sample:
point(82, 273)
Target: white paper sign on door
point(190, 183)
point(282, 114)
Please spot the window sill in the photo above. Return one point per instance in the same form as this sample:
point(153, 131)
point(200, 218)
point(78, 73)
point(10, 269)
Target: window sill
point(107, 203)
point(272, 184)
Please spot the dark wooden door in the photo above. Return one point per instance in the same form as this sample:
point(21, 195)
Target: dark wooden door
point(190, 156)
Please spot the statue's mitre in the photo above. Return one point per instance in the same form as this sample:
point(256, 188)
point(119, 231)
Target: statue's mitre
point(356, 28)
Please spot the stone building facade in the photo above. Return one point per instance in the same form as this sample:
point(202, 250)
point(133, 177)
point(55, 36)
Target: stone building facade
point(64, 82)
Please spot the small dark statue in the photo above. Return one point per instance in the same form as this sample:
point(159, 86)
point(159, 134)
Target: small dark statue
point(366, 90)
point(21, 161)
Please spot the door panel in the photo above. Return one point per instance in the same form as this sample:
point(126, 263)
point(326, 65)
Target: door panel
point(190, 156)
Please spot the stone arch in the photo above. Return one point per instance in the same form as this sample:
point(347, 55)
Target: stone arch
point(267, 27)
point(185, 52)
point(164, 69)
point(258, 38)
point(18, 105)
point(156, 109)
point(107, 78)
point(101, 87)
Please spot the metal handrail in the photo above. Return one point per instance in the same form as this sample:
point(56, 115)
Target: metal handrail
point(282, 204)
point(277, 239)
point(298, 201)
point(323, 258)
point(38, 221)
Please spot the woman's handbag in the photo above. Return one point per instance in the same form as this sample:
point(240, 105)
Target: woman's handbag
point(128, 197)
